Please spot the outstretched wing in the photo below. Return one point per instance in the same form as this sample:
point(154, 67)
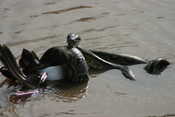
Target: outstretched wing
point(97, 63)
point(10, 63)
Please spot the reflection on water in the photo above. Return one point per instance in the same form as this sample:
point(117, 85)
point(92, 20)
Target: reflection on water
point(68, 92)
point(62, 91)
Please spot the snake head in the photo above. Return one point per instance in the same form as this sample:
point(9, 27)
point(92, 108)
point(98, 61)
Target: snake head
point(128, 73)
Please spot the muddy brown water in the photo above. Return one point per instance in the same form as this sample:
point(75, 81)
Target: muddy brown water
point(143, 28)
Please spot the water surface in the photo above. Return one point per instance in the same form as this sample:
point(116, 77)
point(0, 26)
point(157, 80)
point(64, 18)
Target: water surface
point(137, 27)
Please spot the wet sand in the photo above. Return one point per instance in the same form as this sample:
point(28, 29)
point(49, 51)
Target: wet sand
point(143, 28)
